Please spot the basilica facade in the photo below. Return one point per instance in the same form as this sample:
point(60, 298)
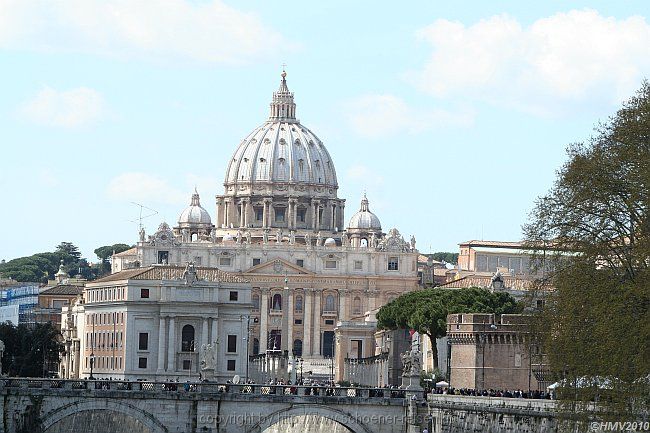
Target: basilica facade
point(281, 227)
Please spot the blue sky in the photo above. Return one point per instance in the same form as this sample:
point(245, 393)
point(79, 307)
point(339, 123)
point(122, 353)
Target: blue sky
point(453, 116)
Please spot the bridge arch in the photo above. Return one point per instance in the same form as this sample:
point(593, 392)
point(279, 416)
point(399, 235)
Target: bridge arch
point(338, 416)
point(59, 414)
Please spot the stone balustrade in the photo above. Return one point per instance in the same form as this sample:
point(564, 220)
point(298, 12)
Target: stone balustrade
point(201, 388)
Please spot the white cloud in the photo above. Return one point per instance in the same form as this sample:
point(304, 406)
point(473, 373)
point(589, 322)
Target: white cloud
point(385, 115)
point(145, 188)
point(567, 58)
point(162, 29)
point(68, 108)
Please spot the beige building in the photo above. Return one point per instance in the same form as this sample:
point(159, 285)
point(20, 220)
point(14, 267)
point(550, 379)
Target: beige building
point(155, 323)
point(280, 225)
point(489, 354)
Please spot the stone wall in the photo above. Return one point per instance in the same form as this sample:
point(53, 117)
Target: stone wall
point(464, 414)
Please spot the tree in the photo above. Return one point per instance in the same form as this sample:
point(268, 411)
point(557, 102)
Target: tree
point(445, 257)
point(426, 310)
point(29, 351)
point(592, 231)
point(105, 252)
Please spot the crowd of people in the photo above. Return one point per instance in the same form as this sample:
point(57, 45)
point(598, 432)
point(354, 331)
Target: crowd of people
point(534, 394)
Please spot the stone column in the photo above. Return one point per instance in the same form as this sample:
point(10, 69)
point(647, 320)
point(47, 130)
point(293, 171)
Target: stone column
point(214, 336)
point(161, 345)
point(265, 212)
point(219, 213)
point(342, 304)
point(294, 215)
point(342, 215)
point(204, 331)
point(317, 320)
point(171, 345)
point(226, 210)
point(264, 317)
point(333, 218)
point(306, 340)
point(242, 212)
point(247, 212)
point(289, 314)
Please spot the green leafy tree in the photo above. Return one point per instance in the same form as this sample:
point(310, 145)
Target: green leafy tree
point(592, 230)
point(445, 257)
point(105, 252)
point(426, 310)
point(30, 351)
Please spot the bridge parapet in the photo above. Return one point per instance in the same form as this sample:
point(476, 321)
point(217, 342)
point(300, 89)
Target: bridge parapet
point(198, 389)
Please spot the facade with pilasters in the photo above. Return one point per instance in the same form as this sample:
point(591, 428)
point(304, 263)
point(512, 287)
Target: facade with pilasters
point(281, 225)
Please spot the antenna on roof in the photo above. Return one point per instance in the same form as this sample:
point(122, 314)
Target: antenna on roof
point(141, 217)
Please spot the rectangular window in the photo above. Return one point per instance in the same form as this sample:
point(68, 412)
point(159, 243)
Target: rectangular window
point(234, 296)
point(187, 364)
point(393, 264)
point(279, 215)
point(301, 215)
point(143, 342)
point(163, 257)
point(142, 362)
point(257, 262)
point(329, 322)
point(297, 322)
point(231, 365)
point(358, 265)
point(330, 264)
point(144, 293)
point(224, 261)
point(259, 213)
point(232, 343)
point(300, 262)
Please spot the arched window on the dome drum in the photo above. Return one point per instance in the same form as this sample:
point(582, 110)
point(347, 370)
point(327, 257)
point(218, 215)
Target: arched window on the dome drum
point(277, 302)
point(329, 303)
point(364, 243)
point(356, 305)
point(187, 338)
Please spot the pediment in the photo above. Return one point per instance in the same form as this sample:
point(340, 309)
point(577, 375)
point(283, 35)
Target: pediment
point(277, 266)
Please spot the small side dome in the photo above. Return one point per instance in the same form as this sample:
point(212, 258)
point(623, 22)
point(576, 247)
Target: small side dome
point(330, 242)
point(194, 214)
point(364, 219)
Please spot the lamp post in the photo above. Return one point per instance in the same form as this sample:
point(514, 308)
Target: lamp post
point(246, 339)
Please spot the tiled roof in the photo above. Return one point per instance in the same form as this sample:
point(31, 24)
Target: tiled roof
point(63, 289)
point(172, 273)
point(130, 252)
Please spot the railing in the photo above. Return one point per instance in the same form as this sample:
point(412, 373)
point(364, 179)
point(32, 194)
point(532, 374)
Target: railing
point(203, 388)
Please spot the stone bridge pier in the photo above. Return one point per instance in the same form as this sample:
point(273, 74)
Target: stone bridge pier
point(57, 406)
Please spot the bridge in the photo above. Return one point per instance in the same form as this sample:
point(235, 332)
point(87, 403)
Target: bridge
point(63, 406)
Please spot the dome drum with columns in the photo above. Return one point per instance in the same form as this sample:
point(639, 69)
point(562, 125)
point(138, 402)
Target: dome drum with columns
point(281, 176)
point(281, 225)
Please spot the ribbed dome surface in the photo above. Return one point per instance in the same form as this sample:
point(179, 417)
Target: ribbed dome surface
point(194, 213)
point(364, 219)
point(282, 150)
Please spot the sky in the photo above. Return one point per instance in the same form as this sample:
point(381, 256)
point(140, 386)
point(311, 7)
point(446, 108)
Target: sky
point(453, 116)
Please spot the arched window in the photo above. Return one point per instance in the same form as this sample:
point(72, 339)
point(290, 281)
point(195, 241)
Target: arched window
point(195, 237)
point(277, 302)
point(329, 303)
point(299, 303)
point(364, 243)
point(297, 347)
point(256, 302)
point(256, 346)
point(356, 305)
point(187, 338)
